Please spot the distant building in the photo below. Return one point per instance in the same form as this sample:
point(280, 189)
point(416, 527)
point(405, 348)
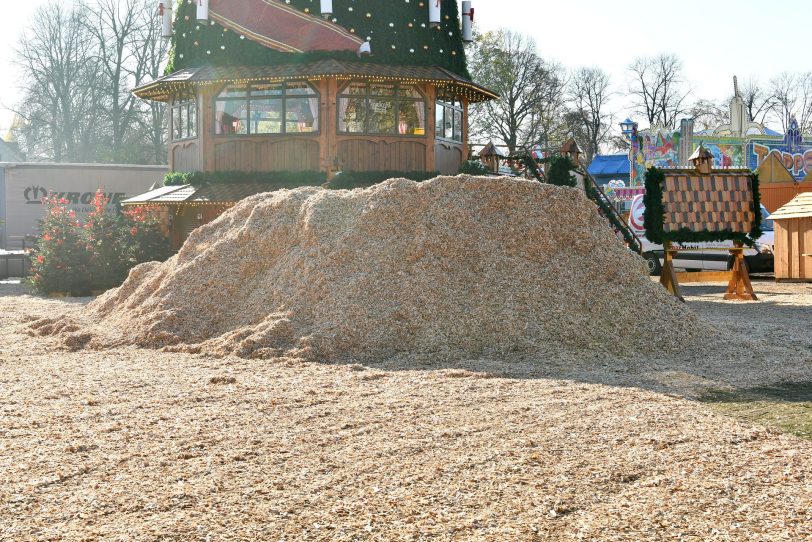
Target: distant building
point(10, 152)
point(741, 143)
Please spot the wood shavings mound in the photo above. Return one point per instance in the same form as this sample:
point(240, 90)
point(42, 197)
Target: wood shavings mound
point(453, 267)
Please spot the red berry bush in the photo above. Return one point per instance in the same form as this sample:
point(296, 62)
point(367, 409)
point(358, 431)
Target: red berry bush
point(78, 258)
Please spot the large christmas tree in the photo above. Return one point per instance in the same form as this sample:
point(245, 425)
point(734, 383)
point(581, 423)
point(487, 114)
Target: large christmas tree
point(398, 31)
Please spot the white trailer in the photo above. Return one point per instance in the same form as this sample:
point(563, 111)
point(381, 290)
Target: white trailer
point(23, 186)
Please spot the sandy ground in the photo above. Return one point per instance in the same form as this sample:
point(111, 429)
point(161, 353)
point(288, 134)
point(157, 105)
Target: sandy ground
point(132, 444)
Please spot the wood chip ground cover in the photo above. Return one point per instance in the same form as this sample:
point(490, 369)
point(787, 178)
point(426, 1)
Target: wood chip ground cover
point(128, 443)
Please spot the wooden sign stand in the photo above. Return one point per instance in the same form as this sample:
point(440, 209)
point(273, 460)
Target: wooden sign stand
point(668, 277)
point(740, 288)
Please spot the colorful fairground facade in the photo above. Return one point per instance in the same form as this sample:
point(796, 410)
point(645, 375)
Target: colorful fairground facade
point(783, 161)
point(343, 85)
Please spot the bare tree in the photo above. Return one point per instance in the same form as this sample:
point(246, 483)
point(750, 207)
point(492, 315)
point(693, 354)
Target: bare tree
point(60, 76)
point(759, 101)
point(531, 90)
point(153, 120)
point(115, 29)
point(588, 94)
point(659, 89)
point(709, 115)
point(792, 94)
point(80, 70)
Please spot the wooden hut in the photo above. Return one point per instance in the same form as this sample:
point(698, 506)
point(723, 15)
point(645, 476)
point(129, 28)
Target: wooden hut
point(491, 156)
point(184, 208)
point(793, 239)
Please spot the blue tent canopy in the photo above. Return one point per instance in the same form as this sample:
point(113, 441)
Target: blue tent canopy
point(608, 167)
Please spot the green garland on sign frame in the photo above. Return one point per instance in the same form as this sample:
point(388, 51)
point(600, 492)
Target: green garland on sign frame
point(398, 35)
point(654, 217)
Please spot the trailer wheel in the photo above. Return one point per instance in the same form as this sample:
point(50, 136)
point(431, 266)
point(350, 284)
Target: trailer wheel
point(653, 263)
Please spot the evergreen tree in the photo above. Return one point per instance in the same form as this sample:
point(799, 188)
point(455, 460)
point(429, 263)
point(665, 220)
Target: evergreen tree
point(398, 31)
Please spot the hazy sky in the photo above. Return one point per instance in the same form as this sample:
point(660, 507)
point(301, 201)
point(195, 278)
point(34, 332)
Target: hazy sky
point(715, 39)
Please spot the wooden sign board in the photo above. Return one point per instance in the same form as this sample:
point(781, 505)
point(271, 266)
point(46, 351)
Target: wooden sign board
point(717, 202)
point(700, 204)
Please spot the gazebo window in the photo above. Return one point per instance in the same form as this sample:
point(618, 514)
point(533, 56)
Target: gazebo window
point(272, 108)
point(184, 116)
point(381, 108)
point(448, 118)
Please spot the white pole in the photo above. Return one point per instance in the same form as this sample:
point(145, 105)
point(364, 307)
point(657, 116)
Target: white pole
point(202, 10)
point(467, 22)
point(434, 13)
point(326, 8)
point(165, 10)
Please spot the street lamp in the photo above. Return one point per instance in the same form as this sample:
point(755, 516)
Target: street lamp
point(627, 127)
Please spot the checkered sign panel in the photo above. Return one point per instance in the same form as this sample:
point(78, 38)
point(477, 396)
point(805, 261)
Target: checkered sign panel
point(711, 203)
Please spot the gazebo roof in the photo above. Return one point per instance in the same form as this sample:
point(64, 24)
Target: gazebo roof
point(163, 87)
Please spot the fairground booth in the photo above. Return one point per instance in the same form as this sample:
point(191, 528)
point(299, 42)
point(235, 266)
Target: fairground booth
point(783, 161)
point(342, 87)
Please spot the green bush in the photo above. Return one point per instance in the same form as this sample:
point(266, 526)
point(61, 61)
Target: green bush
point(347, 180)
point(106, 245)
point(60, 258)
point(560, 172)
point(78, 259)
point(473, 167)
point(147, 241)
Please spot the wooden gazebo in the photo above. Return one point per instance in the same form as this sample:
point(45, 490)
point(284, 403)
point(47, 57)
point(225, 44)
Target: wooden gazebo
point(261, 85)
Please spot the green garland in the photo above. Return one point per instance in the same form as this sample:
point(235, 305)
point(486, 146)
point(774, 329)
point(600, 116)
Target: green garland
point(560, 172)
point(654, 217)
point(399, 33)
point(295, 179)
point(611, 214)
point(283, 179)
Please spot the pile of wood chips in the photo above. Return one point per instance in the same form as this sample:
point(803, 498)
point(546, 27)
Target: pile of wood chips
point(450, 268)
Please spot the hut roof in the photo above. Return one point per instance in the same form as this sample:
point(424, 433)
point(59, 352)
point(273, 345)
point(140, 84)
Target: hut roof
point(571, 146)
point(799, 207)
point(215, 194)
point(772, 170)
point(492, 150)
point(163, 87)
point(701, 152)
